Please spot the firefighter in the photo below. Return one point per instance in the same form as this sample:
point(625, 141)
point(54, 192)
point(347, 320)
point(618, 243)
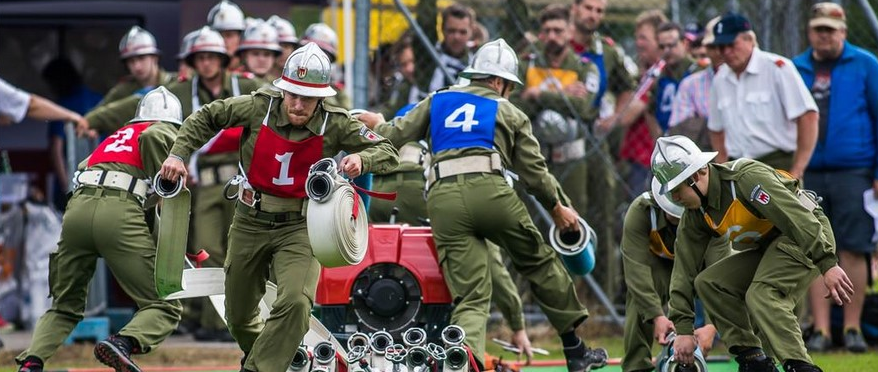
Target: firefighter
point(286, 36)
point(139, 53)
point(326, 38)
point(105, 218)
point(258, 50)
point(269, 227)
point(228, 19)
point(785, 242)
point(474, 134)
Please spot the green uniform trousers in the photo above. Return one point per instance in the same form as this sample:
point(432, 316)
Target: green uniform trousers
point(213, 215)
point(409, 187)
point(768, 282)
point(638, 336)
point(573, 177)
point(255, 245)
point(469, 208)
point(104, 223)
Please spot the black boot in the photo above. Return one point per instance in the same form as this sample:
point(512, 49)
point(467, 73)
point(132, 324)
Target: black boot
point(800, 366)
point(31, 364)
point(755, 360)
point(116, 352)
point(583, 359)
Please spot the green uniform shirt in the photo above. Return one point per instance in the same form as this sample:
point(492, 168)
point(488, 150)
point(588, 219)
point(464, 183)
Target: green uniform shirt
point(129, 86)
point(513, 140)
point(343, 133)
point(587, 73)
point(782, 209)
point(687, 66)
point(155, 143)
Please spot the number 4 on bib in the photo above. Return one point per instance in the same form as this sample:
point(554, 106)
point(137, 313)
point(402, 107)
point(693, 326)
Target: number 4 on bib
point(468, 111)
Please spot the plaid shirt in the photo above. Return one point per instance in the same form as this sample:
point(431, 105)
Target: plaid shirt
point(693, 97)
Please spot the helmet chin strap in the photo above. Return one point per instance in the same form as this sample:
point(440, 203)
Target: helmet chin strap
point(694, 186)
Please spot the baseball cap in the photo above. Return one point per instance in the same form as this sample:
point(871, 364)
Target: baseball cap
point(708, 31)
point(729, 26)
point(828, 14)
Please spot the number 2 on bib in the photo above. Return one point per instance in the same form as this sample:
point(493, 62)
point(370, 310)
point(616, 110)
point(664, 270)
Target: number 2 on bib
point(121, 137)
point(468, 111)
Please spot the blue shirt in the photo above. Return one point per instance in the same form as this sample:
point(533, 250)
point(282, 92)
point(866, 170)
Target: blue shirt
point(851, 138)
point(80, 102)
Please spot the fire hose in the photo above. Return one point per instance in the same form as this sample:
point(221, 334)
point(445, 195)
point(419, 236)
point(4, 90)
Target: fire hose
point(337, 222)
point(576, 248)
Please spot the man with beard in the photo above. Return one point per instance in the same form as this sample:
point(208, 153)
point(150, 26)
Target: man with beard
point(139, 53)
point(672, 44)
point(558, 81)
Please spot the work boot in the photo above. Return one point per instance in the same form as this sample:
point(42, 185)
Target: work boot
point(755, 360)
point(116, 352)
point(583, 359)
point(853, 341)
point(818, 342)
point(800, 366)
point(31, 364)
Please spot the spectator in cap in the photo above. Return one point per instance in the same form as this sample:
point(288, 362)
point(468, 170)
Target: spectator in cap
point(843, 79)
point(759, 105)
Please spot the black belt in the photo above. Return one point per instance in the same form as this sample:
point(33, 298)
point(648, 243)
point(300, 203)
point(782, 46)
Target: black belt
point(266, 216)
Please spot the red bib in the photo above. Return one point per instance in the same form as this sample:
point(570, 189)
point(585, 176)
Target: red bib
point(227, 140)
point(279, 166)
point(122, 147)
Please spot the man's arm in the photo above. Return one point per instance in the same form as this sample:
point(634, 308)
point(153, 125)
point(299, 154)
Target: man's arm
point(689, 251)
point(684, 103)
point(113, 115)
point(636, 259)
point(806, 139)
point(715, 125)
point(404, 129)
point(205, 123)
point(377, 153)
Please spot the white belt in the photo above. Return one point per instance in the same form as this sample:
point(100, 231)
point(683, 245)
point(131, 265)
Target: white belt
point(113, 179)
point(213, 175)
point(411, 153)
point(568, 151)
point(466, 164)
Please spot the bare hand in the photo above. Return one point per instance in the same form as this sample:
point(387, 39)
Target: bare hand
point(662, 326)
point(605, 125)
point(371, 119)
point(352, 165)
point(522, 342)
point(82, 128)
point(684, 349)
point(531, 93)
point(839, 285)
point(577, 89)
point(172, 169)
point(705, 336)
point(875, 188)
point(565, 218)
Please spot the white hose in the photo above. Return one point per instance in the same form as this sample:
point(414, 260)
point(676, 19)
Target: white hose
point(166, 189)
point(338, 227)
point(563, 244)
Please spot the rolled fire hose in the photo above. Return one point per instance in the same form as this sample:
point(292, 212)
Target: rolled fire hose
point(337, 223)
point(173, 232)
point(575, 247)
point(665, 361)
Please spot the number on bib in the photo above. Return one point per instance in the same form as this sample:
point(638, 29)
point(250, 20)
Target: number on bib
point(121, 137)
point(283, 179)
point(468, 111)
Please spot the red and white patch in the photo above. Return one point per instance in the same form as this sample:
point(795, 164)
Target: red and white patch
point(762, 197)
point(369, 135)
point(301, 72)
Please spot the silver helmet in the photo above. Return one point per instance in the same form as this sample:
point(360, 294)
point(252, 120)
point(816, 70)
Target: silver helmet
point(286, 33)
point(307, 72)
point(676, 158)
point(137, 42)
point(207, 41)
point(550, 127)
point(226, 16)
point(187, 43)
point(324, 36)
point(159, 105)
point(260, 35)
point(495, 58)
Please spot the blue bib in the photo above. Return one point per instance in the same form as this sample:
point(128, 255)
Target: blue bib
point(460, 120)
point(667, 90)
point(598, 60)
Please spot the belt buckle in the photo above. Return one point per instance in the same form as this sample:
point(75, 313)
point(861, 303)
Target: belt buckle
point(249, 198)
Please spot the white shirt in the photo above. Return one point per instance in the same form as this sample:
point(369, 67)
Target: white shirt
point(13, 102)
point(757, 111)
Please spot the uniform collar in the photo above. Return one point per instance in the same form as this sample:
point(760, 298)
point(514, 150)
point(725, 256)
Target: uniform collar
point(714, 187)
point(753, 66)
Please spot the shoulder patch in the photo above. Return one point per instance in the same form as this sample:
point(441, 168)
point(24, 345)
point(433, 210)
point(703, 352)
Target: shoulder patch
point(609, 41)
point(182, 78)
point(245, 74)
point(759, 195)
point(779, 63)
point(369, 134)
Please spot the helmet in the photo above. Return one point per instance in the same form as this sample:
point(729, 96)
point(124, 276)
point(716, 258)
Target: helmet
point(495, 58)
point(324, 36)
point(187, 43)
point(260, 35)
point(307, 72)
point(675, 159)
point(286, 33)
point(551, 127)
point(159, 105)
point(664, 202)
point(207, 41)
point(137, 42)
point(226, 16)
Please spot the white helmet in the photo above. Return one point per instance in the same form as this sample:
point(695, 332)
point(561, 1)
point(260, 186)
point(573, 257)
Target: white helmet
point(137, 42)
point(495, 58)
point(226, 16)
point(159, 105)
point(666, 204)
point(259, 35)
point(676, 158)
point(324, 36)
point(187, 43)
point(286, 33)
point(307, 72)
point(207, 41)
point(551, 127)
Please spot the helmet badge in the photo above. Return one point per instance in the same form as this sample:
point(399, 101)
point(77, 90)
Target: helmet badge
point(301, 72)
